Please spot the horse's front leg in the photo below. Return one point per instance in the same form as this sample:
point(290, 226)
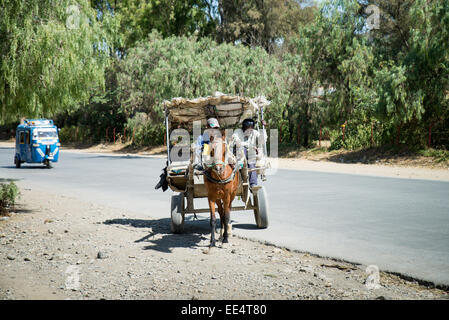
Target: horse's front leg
point(212, 222)
point(221, 212)
point(227, 218)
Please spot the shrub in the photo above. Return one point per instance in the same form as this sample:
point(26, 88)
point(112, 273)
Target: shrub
point(438, 155)
point(145, 131)
point(8, 195)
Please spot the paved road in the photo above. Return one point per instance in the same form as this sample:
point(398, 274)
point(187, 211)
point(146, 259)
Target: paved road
point(400, 225)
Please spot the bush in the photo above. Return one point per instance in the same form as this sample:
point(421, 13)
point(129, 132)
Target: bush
point(67, 134)
point(358, 135)
point(438, 155)
point(146, 132)
point(84, 134)
point(8, 194)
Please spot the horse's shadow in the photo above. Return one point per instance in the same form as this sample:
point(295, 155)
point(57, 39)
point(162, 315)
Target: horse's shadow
point(162, 239)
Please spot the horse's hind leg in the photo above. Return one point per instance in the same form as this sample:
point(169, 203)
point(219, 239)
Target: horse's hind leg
point(229, 228)
point(212, 222)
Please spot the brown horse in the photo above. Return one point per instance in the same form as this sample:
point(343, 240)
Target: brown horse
point(222, 181)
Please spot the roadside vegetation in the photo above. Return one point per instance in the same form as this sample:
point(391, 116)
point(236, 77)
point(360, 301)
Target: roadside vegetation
point(364, 75)
point(401, 155)
point(9, 193)
point(441, 156)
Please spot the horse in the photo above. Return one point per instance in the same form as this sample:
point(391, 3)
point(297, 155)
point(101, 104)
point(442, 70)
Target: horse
point(222, 182)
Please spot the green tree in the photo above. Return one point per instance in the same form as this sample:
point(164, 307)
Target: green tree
point(51, 53)
point(413, 86)
point(158, 69)
point(263, 23)
point(331, 68)
point(169, 17)
point(89, 122)
point(397, 74)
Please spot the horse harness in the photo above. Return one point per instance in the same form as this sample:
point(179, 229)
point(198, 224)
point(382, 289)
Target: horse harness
point(219, 181)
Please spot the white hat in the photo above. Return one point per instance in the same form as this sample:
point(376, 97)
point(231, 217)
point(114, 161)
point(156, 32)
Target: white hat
point(213, 123)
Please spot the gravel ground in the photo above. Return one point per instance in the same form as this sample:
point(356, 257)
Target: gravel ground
point(55, 247)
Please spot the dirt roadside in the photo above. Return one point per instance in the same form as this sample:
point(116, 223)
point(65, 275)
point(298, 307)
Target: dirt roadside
point(56, 247)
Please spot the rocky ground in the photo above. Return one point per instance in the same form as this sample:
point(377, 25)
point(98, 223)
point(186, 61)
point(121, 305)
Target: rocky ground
point(55, 247)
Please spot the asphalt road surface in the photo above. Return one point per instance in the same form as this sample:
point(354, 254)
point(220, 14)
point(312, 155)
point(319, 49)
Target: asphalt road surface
point(400, 225)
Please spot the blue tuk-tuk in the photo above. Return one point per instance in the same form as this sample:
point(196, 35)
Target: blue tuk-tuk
point(37, 141)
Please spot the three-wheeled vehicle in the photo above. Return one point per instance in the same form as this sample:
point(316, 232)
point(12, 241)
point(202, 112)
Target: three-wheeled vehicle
point(37, 141)
point(187, 182)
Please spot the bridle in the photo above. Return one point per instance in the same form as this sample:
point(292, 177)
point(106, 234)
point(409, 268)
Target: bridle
point(220, 181)
point(212, 166)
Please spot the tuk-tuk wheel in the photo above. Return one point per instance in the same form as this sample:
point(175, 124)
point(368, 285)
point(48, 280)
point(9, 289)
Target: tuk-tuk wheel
point(17, 162)
point(48, 164)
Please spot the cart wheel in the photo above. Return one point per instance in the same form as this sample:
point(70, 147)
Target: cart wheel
point(48, 164)
point(177, 215)
point(261, 211)
point(17, 162)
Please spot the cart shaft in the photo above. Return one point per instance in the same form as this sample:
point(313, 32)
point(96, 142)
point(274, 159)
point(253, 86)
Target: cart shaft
point(241, 208)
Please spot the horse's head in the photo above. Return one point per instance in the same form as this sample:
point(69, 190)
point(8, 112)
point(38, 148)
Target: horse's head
point(218, 154)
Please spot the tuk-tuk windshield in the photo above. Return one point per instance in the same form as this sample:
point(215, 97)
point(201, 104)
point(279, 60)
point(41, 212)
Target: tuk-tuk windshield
point(45, 133)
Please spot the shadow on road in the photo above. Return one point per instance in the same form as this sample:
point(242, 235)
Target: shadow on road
point(245, 226)
point(25, 167)
point(161, 239)
point(118, 157)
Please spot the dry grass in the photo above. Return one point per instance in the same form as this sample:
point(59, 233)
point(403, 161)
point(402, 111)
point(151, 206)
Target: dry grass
point(118, 147)
point(385, 155)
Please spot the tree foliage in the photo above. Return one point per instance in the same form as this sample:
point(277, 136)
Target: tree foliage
point(89, 122)
point(331, 68)
point(51, 52)
point(169, 17)
point(321, 65)
point(158, 69)
point(397, 75)
point(261, 23)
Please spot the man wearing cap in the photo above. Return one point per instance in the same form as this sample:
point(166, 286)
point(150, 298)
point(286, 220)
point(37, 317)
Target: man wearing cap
point(250, 144)
point(212, 123)
point(251, 147)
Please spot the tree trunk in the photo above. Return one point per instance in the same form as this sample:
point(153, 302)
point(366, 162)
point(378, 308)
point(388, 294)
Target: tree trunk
point(306, 125)
point(398, 134)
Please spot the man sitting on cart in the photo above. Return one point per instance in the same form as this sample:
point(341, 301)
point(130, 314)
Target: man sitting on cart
point(252, 152)
point(246, 146)
point(212, 123)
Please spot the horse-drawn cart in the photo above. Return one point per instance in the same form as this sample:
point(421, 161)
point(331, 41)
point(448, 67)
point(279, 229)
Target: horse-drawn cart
point(185, 180)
